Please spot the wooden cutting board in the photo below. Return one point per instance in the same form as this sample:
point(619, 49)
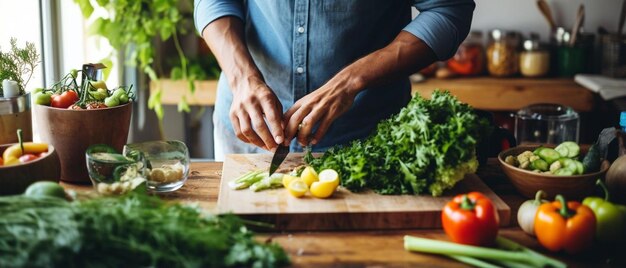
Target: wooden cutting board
point(344, 210)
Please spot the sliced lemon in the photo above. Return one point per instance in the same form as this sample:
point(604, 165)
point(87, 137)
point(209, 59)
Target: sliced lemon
point(297, 188)
point(323, 189)
point(329, 175)
point(287, 179)
point(309, 176)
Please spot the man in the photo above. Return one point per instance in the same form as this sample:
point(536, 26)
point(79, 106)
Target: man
point(322, 71)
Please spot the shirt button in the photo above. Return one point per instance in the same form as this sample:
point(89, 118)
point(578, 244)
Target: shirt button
point(300, 70)
point(301, 29)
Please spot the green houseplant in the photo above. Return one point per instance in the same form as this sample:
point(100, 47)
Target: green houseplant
point(132, 26)
point(16, 65)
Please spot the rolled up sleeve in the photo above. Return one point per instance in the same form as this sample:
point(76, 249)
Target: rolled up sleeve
point(442, 24)
point(206, 11)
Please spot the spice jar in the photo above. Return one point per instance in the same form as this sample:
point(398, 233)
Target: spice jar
point(502, 56)
point(534, 60)
point(470, 57)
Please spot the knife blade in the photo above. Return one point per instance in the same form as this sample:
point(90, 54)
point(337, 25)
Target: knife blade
point(279, 156)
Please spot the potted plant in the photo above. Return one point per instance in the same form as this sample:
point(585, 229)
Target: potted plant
point(139, 24)
point(16, 69)
point(74, 114)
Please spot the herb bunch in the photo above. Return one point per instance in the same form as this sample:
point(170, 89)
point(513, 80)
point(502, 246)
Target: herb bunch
point(427, 147)
point(18, 63)
point(130, 231)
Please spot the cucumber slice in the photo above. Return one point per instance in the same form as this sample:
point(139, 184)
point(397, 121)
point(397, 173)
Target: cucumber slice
point(570, 164)
point(564, 172)
point(563, 151)
point(539, 164)
point(571, 147)
point(580, 168)
point(536, 151)
point(549, 155)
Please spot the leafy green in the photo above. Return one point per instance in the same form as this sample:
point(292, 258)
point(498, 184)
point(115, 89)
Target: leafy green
point(428, 146)
point(130, 231)
point(17, 63)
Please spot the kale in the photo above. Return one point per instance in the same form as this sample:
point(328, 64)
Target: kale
point(427, 147)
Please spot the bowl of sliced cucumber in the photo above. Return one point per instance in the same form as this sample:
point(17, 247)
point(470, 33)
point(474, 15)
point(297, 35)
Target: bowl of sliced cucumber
point(565, 169)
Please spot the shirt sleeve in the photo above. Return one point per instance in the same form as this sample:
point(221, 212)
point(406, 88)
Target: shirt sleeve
point(206, 11)
point(442, 24)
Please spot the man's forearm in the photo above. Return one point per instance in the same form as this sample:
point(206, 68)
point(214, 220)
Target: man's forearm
point(225, 38)
point(405, 55)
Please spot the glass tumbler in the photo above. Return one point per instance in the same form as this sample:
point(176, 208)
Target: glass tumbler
point(546, 124)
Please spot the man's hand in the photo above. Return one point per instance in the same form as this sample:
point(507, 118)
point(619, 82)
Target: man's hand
point(321, 107)
point(402, 57)
point(254, 107)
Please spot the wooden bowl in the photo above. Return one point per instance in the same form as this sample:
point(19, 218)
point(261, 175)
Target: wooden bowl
point(15, 179)
point(528, 183)
point(72, 131)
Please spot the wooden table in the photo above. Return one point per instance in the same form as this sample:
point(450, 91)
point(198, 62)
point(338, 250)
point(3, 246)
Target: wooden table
point(373, 248)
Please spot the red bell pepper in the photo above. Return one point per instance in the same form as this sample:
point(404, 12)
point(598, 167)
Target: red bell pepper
point(470, 219)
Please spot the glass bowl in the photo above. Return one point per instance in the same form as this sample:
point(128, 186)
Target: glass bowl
point(167, 163)
point(112, 173)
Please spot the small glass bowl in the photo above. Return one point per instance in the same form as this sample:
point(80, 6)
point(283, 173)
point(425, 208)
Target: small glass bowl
point(112, 173)
point(167, 163)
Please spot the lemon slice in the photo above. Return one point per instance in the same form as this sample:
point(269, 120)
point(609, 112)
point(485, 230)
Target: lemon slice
point(323, 189)
point(309, 176)
point(287, 179)
point(329, 175)
point(297, 188)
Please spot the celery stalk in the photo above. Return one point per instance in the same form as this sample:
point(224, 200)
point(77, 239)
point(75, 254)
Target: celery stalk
point(244, 181)
point(449, 248)
point(473, 261)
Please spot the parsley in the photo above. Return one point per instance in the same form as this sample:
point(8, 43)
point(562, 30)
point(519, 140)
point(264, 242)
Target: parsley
point(427, 147)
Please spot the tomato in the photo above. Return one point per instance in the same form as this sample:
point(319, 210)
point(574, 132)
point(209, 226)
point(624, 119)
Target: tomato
point(118, 92)
point(99, 94)
point(1, 161)
point(66, 99)
point(112, 101)
point(42, 98)
point(123, 98)
point(27, 158)
point(74, 73)
point(36, 90)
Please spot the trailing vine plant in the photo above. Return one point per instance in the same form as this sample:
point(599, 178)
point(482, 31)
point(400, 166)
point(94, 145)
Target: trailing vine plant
point(131, 26)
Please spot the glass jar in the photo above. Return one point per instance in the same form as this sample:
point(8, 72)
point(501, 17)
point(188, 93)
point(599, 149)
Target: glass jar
point(502, 55)
point(470, 56)
point(546, 124)
point(534, 60)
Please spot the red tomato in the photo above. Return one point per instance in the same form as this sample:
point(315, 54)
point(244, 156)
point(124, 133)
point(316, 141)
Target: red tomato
point(27, 158)
point(66, 99)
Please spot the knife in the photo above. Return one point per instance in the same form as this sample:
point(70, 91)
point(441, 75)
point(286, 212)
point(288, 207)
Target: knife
point(279, 156)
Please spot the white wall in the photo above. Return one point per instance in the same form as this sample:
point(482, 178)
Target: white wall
point(524, 16)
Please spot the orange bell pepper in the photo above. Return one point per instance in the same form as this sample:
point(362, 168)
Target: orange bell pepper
point(568, 227)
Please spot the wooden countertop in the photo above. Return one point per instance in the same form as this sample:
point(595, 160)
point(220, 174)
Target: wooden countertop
point(373, 248)
point(487, 93)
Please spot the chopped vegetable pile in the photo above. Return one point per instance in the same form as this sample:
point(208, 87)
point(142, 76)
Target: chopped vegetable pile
point(130, 231)
point(427, 147)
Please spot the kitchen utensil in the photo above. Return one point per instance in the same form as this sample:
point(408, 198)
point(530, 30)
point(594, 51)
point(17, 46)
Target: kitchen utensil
point(580, 18)
point(528, 182)
point(342, 211)
point(15, 179)
point(544, 8)
point(546, 124)
point(279, 156)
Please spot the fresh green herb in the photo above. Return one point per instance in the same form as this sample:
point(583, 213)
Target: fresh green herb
point(129, 231)
point(17, 64)
point(428, 146)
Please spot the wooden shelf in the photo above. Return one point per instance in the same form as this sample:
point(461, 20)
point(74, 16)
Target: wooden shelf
point(493, 94)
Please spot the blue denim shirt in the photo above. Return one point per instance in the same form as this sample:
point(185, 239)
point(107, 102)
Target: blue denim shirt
point(299, 45)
